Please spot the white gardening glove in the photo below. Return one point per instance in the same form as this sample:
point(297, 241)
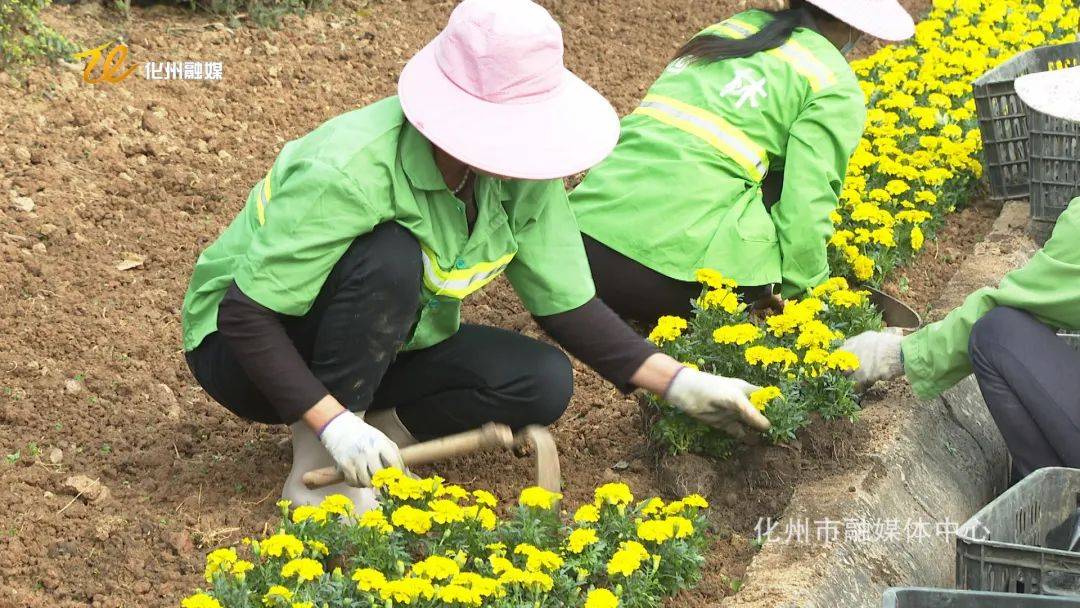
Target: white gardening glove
point(879, 357)
point(717, 401)
point(358, 448)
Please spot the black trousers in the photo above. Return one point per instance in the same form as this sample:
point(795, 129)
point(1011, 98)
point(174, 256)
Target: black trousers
point(351, 337)
point(639, 293)
point(1030, 380)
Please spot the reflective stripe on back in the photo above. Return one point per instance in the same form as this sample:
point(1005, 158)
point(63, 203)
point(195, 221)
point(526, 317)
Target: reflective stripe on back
point(459, 283)
point(708, 127)
point(800, 58)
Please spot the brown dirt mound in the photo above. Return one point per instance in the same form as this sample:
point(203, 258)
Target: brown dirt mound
point(93, 381)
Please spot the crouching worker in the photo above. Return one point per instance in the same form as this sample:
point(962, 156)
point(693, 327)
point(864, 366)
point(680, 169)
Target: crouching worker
point(331, 303)
point(761, 108)
point(1028, 375)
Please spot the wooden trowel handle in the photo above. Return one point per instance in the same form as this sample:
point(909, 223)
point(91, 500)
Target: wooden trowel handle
point(491, 435)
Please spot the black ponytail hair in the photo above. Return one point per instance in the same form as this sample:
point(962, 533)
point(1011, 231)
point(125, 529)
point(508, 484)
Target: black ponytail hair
point(712, 47)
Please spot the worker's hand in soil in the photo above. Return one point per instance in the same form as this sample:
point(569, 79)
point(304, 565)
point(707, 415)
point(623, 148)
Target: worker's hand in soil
point(720, 402)
point(359, 449)
point(768, 304)
point(879, 357)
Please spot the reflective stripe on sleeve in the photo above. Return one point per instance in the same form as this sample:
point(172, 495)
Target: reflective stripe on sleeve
point(264, 198)
point(459, 283)
point(710, 128)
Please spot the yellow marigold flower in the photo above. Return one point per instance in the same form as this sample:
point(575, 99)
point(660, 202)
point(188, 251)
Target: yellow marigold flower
point(863, 267)
point(763, 396)
point(722, 299)
point(407, 590)
point(457, 594)
point(843, 360)
point(376, 520)
point(306, 512)
point(581, 538)
point(282, 545)
point(445, 511)
point(318, 547)
point(412, 519)
point(496, 548)
point(485, 498)
point(199, 600)
point(816, 356)
point(884, 236)
point(436, 568)
point(682, 526)
point(302, 568)
point(587, 514)
point(917, 238)
point(713, 279)
point(765, 356)
point(816, 334)
point(833, 284)
point(782, 324)
point(338, 504)
point(276, 593)
point(538, 498)
point(627, 559)
point(218, 560)
point(484, 586)
point(500, 564)
point(384, 477)
point(846, 298)
point(241, 567)
point(484, 515)
point(652, 507)
point(674, 508)
point(613, 494)
point(601, 598)
point(655, 530)
point(696, 501)
point(530, 580)
point(743, 333)
point(369, 579)
point(667, 328)
point(302, 605)
point(538, 561)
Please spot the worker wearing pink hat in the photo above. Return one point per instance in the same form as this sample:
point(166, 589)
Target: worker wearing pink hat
point(332, 302)
point(734, 160)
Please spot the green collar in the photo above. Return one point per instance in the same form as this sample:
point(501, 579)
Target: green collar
point(418, 160)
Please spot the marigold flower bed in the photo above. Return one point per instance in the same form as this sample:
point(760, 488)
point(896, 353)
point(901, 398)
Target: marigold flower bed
point(919, 156)
point(434, 544)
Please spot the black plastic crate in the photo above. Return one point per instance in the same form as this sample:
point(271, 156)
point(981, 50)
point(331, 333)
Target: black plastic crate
point(1010, 545)
point(1003, 121)
point(946, 598)
point(1053, 164)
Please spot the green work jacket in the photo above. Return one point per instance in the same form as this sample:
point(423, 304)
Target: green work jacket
point(682, 190)
point(371, 166)
point(1048, 287)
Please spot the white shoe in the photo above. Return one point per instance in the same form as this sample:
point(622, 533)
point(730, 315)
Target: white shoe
point(309, 454)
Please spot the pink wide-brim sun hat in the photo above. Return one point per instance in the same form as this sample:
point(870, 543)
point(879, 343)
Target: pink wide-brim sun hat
point(491, 90)
point(884, 19)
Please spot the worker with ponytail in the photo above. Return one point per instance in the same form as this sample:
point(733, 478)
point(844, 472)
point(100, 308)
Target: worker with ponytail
point(734, 159)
